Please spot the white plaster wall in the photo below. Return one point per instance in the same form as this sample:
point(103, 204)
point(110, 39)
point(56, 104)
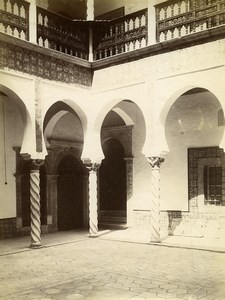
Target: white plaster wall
point(164, 79)
point(13, 138)
point(68, 128)
point(76, 97)
point(191, 122)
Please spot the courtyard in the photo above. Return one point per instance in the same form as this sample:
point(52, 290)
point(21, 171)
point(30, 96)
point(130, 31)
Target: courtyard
point(101, 268)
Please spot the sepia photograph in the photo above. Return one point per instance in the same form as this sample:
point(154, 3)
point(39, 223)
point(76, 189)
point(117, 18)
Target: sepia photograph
point(112, 139)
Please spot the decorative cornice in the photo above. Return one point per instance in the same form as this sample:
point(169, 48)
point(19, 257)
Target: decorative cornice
point(80, 66)
point(45, 51)
point(49, 64)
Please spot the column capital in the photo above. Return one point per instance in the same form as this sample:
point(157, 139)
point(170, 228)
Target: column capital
point(91, 165)
point(155, 161)
point(36, 164)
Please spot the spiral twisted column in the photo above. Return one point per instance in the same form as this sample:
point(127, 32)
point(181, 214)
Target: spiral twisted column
point(35, 204)
point(93, 199)
point(155, 163)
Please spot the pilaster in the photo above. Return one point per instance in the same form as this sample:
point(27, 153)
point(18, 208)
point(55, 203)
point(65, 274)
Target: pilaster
point(129, 174)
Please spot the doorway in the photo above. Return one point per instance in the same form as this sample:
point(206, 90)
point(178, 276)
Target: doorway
point(70, 194)
point(112, 183)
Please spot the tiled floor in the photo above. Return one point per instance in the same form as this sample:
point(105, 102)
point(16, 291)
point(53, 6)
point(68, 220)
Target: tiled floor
point(76, 267)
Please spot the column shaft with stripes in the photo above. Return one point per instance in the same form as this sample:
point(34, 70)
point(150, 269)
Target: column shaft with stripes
point(93, 200)
point(155, 163)
point(35, 204)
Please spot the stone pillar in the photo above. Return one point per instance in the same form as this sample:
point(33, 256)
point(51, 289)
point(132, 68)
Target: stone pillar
point(155, 163)
point(91, 54)
point(35, 203)
point(32, 22)
point(90, 10)
point(93, 199)
point(151, 22)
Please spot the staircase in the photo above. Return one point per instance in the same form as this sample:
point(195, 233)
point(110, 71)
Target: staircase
point(112, 219)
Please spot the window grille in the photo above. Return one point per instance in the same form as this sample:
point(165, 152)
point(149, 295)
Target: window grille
point(213, 185)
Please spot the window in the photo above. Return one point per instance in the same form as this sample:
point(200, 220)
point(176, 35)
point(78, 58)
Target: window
point(213, 185)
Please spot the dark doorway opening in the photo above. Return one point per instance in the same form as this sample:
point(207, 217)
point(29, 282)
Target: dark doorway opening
point(70, 193)
point(112, 184)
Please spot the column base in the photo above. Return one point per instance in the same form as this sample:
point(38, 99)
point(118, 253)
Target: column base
point(93, 235)
point(155, 241)
point(36, 245)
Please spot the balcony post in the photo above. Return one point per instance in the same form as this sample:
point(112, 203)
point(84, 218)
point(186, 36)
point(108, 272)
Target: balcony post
point(32, 22)
point(90, 17)
point(90, 10)
point(90, 55)
point(151, 22)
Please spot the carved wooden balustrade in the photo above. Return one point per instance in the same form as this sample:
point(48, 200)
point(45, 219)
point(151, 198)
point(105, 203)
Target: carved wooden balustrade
point(59, 33)
point(121, 35)
point(179, 18)
point(14, 18)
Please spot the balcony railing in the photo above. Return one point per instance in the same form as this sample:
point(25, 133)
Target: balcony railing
point(61, 34)
point(14, 16)
point(174, 18)
point(179, 18)
point(122, 35)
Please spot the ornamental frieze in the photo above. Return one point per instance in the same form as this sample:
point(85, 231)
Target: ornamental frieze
point(43, 65)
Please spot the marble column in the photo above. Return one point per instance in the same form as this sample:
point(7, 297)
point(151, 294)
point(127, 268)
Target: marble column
point(93, 199)
point(35, 203)
point(155, 163)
